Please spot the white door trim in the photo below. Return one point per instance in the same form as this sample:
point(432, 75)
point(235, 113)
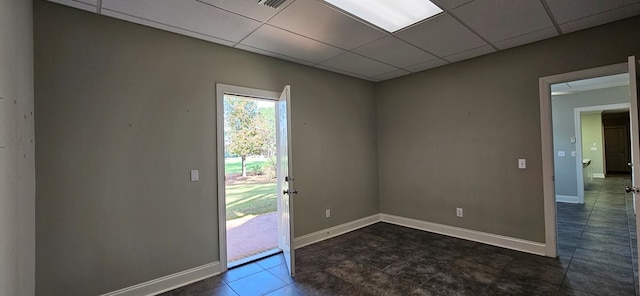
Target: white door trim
point(546, 129)
point(577, 112)
point(221, 90)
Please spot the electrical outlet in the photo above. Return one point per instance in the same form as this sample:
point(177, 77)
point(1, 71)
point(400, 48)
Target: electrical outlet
point(459, 212)
point(327, 213)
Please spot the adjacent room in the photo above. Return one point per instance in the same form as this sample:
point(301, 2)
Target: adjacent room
point(457, 151)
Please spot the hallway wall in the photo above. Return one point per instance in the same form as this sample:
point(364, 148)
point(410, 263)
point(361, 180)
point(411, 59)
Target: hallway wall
point(17, 176)
point(564, 128)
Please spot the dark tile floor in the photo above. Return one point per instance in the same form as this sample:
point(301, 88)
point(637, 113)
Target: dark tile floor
point(597, 245)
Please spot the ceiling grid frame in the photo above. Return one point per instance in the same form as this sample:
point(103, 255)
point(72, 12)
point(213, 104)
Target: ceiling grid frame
point(377, 51)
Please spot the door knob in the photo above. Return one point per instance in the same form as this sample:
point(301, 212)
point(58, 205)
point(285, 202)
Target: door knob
point(290, 192)
point(628, 189)
point(630, 164)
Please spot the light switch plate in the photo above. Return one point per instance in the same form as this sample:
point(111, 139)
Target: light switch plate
point(562, 153)
point(522, 163)
point(573, 153)
point(573, 139)
point(195, 176)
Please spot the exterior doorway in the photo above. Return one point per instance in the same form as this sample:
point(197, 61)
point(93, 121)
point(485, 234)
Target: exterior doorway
point(255, 183)
point(250, 178)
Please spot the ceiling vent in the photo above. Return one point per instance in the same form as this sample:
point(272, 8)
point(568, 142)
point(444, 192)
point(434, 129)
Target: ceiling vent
point(275, 4)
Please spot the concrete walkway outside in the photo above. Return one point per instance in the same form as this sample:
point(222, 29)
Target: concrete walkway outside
point(251, 235)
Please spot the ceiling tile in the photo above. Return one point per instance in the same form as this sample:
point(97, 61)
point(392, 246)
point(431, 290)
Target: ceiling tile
point(358, 64)
point(441, 35)
point(248, 8)
point(188, 15)
point(600, 19)
point(78, 4)
point(320, 22)
point(392, 74)
point(271, 54)
point(394, 51)
point(497, 20)
point(289, 44)
point(527, 38)
point(476, 52)
point(450, 4)
point(160, 26)
point(570, 10)
point(428, 65)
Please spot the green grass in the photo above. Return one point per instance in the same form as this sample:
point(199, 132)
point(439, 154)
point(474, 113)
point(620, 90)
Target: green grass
point(233, 165)
point(250, 199)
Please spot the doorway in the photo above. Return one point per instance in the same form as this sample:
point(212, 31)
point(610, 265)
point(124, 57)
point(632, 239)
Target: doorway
point(608, 208)
point(590, 134)
point(255, 209)
point(617, 142)
point(250, 178)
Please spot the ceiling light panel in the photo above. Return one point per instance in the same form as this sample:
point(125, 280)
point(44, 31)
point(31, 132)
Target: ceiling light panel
point(389, 15)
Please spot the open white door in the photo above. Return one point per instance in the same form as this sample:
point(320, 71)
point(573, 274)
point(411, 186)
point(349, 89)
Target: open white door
point(633, 115)
point(285, 179)
point(635, 134)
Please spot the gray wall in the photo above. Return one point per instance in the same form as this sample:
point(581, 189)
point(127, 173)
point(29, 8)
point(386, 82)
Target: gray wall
point(564, 128)
point(125, 111)
point(17, 176)
point(450, 137)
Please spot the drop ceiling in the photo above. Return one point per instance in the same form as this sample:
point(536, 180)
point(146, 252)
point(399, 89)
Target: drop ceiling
point(572, 87)
point(314, 33)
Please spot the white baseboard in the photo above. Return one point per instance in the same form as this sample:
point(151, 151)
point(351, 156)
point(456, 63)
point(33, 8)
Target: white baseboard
point(598, 175)
point(328, 233)
point(169, 282)
point(567, 198)
point(472, 235)
point(186, 277)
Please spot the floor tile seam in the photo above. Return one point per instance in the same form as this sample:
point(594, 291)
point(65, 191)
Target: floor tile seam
point(564, 273)
point(243, 277)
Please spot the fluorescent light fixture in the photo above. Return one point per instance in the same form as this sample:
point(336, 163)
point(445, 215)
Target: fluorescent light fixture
point(390, 15)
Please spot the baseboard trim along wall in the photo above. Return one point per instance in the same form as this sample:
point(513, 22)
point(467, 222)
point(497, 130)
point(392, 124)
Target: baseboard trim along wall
point(169, 282)
point(472, 235)
point(186, 277)
point(328, 233)
point(567, 198)
point(598, 175)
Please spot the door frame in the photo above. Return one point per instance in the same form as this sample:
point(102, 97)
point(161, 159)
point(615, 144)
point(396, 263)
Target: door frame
point(221, 90)
point(578, 132)
point(546, 128)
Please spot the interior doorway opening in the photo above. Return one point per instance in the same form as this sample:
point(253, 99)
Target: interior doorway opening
point(617, 142)
point(582, 230)
point(250, 178)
